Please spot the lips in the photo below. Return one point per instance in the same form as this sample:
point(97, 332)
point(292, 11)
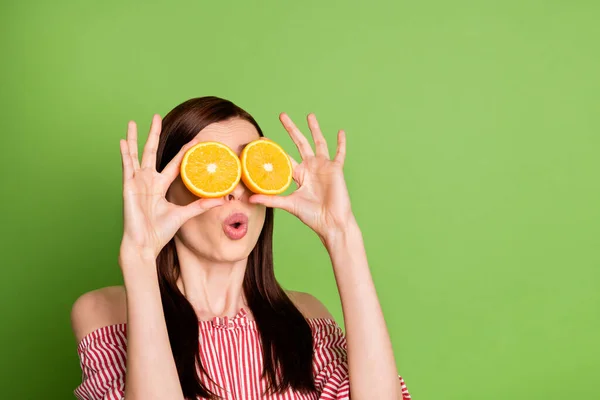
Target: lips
point(235, 226)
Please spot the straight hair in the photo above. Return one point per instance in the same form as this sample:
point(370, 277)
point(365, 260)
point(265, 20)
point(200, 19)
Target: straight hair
point(285, 335)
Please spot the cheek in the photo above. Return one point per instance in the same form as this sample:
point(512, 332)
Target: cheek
point(258, 219)
point(201, 229)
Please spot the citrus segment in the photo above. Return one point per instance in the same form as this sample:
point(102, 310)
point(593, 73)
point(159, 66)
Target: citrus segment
point(210, 169)
point(266, 167)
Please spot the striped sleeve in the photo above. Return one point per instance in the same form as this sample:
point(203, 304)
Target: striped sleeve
point(102, 356)
point(330, 365)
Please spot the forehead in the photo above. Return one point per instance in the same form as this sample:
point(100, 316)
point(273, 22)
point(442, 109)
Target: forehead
point(235, 133)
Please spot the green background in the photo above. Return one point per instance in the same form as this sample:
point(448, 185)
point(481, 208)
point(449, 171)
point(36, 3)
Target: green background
point(473, 140)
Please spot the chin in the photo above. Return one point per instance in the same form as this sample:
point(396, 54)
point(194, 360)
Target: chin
point(234, 250)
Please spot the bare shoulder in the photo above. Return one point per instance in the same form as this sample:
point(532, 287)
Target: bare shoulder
point(309, 305)
point(98, 308)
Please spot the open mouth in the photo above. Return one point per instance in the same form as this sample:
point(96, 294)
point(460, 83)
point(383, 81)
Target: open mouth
point(235, 226)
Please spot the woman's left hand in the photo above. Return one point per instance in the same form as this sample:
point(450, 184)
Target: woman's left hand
point(321, 200)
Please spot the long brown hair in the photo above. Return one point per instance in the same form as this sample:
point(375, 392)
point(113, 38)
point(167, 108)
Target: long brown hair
point(286, 337)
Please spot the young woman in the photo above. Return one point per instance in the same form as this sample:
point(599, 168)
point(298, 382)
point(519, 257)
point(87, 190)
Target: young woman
point(201, 314)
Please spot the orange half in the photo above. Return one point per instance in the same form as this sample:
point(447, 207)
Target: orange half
point(266, 167)
point(210, 169)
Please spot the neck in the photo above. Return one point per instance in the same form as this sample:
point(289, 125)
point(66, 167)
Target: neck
point(213, 288)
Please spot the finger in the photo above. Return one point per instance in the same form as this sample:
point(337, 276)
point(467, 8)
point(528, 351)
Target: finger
point(315, 130)
point(299, 139)
point(282, 202)
point(200, 206)
point(126, 161)
point(149, 155)
point(133, 145)
point(340, 156)
point(294, 162)
point(295, 171)
point(172, 169)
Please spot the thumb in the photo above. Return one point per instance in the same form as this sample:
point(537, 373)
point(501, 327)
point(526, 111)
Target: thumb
point(200, 206)
point(282, 202)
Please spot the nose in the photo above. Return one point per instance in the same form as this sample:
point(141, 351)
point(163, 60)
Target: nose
point(238, 193)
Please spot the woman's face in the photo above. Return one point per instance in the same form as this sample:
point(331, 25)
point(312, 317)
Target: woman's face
point(208, 235)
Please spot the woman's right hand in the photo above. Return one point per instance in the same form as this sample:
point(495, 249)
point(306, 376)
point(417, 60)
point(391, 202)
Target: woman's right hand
point(149, 219)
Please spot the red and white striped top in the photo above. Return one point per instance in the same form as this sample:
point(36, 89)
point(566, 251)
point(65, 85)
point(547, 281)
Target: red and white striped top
point(231, 353)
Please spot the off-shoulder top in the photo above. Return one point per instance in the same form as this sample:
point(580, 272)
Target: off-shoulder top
point(231, 353)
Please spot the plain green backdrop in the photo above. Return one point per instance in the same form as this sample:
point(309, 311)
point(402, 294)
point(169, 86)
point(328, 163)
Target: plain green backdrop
point(473, 167)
